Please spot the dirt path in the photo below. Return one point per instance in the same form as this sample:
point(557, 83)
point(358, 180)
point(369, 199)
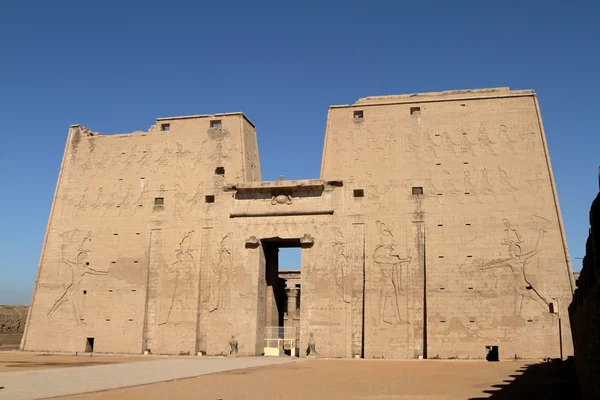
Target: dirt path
point(12, 362)
point(367, 380)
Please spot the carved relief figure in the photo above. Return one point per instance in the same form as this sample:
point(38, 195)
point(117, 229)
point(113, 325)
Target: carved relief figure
point(81, 203)
point(281, 199)
point(410, 146)
point(146, 158)
point(103, 163)
point(430, 144)
point(181, 154)
point(470, 186)
point(486, 186)
point(163, 160)
point(448, 144)
point(517, 261)
point(76, 261)
point(65, 205)
point(538, 184)
point(340, 266)
point(200, 156)
point(390, 284)
point(219, 277)
point(128, 160)
point(142, 199)
point(449, 187)
point(98, 202)
point(484, 141)
point(431, 191)
point(182, 272)
point(466, 146)
point(112, 200)
point(197, 196)
point(178, 196)
point(506, 140)
point(126, 201)
point(528, 138)
point(505, 186)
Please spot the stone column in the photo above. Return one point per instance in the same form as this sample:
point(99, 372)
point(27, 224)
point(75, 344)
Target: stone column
point(292, 294)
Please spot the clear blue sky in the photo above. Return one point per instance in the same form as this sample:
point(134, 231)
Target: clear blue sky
point(114, 66)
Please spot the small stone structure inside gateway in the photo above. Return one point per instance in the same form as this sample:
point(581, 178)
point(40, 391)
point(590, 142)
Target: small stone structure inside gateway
point(433, 231)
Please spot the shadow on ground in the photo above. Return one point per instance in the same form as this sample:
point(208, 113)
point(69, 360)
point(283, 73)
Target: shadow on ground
point(546, 380)
point(39, 364)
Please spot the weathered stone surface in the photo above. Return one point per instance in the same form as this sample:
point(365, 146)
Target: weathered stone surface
point(433, 230)
point(12, 324)
point(585, 311)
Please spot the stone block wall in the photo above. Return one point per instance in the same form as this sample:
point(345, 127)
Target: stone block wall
point(585, 312)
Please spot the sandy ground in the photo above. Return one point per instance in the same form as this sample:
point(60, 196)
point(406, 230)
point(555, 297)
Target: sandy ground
point(368, 379)
point(10, 362)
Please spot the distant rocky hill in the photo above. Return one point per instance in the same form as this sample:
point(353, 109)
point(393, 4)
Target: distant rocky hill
point(12, 325)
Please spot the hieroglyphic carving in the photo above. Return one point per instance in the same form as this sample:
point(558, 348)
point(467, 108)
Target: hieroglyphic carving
point(126, 201)
point(97, 204)
point(505, 139)
point(197, 197)
point(281, 199)
point(466, 146)
point(517, 261)
point(449, 187)
point(182, 273)
point(219, 277)
point(181, 155)
point(505, 186)
point(65, 205)
point(141, 200)
point(470, 187)
point(102, 165)
point(146, 158)
point(528, 137)
point(448, 144)
point(486, 186)
point(76, 262)
point(80, 205)
point(429, 144)
point(108, 204)
point(390, 284)
point(340, 265)
point(410, 146)
point(538, 185)
point(431, 191)
point(178, 207)
point(128, 160)
point(163, 160)
point(484, 141)
point(200, 156)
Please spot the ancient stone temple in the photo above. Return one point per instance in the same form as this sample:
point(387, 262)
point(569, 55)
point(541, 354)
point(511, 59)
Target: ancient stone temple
point(433, 231)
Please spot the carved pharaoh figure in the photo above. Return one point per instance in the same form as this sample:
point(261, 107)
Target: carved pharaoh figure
point(77, 264)
point(219, 279)
point(182, 272)
point(390, 284)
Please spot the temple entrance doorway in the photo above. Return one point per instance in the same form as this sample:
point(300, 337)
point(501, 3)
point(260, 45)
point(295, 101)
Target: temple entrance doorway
point(283, 285)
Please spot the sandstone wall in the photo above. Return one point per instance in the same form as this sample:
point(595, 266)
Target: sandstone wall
point(585, 311)
point(483, 246)
point(434, 230)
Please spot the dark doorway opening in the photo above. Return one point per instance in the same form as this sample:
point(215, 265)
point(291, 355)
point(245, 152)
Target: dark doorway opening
point(89, 345)
point(492, 353)
point(283, 288)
